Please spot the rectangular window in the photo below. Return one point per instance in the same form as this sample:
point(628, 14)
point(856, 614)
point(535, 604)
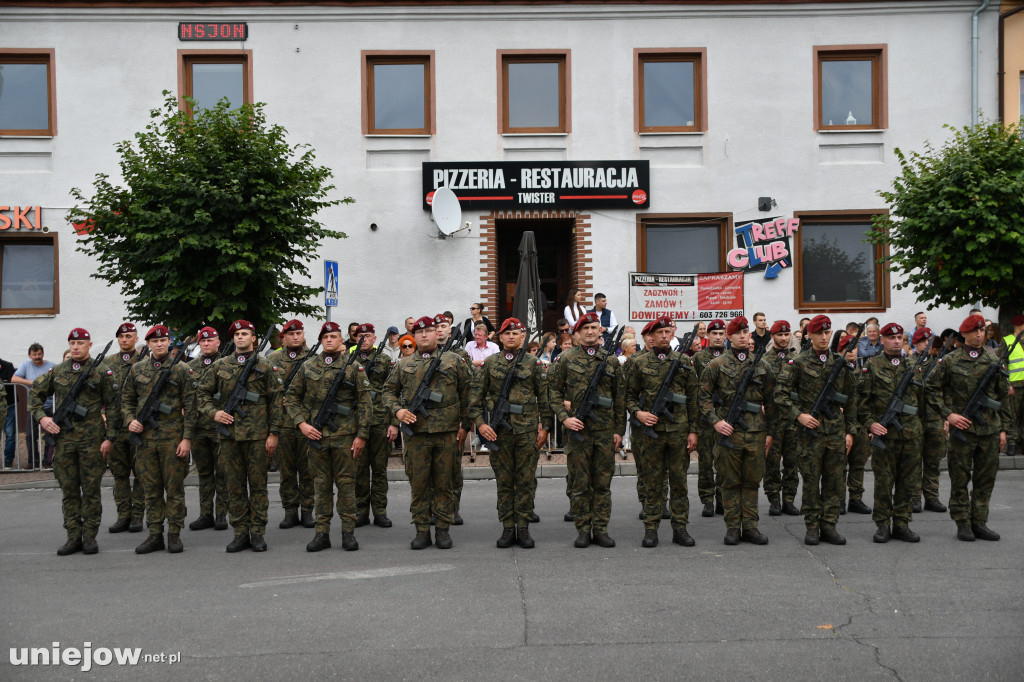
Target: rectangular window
point(398, 93)
point(850, 91)
point(533, 91)
point(683, 244)
point(28, 275)
point(27, 92)
point(835, 268)
point(669, 88)
point(207, 76)
point(1020, 110)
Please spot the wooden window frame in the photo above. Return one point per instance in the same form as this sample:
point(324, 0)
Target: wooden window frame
point(883, 300)
point(370, 58)
point(564, 60)
point(725, 233)
point(877, 55)
point(188, 57)
point(697, 55)
point(34, 238)
point(47, 56)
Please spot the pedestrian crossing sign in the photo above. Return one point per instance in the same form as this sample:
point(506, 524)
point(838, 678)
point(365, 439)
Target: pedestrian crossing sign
point(331, 284)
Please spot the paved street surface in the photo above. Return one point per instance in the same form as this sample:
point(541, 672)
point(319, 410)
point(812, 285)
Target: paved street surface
point(939, 610)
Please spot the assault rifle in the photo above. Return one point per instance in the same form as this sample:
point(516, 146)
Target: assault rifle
point(734, 417)
point(142, 356)
point(590, 398)
point(298, 365)
point(891, 417)
point(502, 407)
point(828, 394)
point(329, 408)
point(69, 406)
point(418, 404)
point(147, 416)
point(978, 400)
point(946, 348)
point(227, 350)
point(665, 397)
point(239, 393)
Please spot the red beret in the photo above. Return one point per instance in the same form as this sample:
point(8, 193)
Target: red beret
point(844, 342)
point(736, 325)
point(425, 322)
point(819, 323)
point(208, 333)
point(441, 318)
point(292, 326)
point(328, 328)
point(660, 323)
point(1017, 320)
point(647, 328)
point(511, 323)
point(716, 324)
point(586, 319)
point(891, 329)
point(365, 328)
point(972, 323)
point(158, 332)
point(78, 333)
point(922, 334)
point(125, 328)
point(242, 324)
point(780, 327)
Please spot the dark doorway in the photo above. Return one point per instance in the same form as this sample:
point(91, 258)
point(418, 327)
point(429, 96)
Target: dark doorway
point(553, 248)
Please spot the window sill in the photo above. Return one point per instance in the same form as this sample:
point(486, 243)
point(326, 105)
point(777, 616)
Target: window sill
point(27, 137)
point(671, 133)
point(839, 131)
point(535, 134)
point(398, 135)
point(15, 315)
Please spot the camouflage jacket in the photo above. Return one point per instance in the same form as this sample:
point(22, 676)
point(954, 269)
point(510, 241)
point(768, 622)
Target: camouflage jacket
point(200, 366)
point(929, 418)
point(528, 395)
point(878, 381)
point(452, 381)
point(952, 383)
point(704, 357)
point(177, 415)
point(778, 359)
point(722, 377)
point(377, 374)
point(569, 377)
point(119, 366)
point(262, 416)
point(801, 381)
point(307, 393)
point(99, 393)
point(285, 359)
point(644, 375)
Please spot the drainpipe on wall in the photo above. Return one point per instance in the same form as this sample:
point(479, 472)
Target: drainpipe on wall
point(974, 60)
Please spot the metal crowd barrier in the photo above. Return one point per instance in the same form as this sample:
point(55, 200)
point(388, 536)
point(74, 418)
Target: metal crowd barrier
point(18, 433)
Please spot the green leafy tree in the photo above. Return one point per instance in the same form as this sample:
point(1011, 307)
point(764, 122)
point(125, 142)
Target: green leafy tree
point(216, 220)
point(956, 229)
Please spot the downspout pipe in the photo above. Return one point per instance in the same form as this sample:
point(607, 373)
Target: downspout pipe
point(974, 60)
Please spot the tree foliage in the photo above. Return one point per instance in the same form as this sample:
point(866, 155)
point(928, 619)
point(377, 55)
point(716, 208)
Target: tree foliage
point(216, 220)
point(956, 231)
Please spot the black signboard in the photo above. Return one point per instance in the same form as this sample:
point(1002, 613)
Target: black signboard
point(542, 184)
point(216, 30)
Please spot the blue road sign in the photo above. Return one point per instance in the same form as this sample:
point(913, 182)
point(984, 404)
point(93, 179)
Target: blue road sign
point(331, 284)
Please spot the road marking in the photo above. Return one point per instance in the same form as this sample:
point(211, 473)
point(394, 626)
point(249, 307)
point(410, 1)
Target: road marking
point(352, 575)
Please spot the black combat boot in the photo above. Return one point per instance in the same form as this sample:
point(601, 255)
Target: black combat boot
point(858, 507)
point(174, 545)
point(582, 540)
point(932, 504)
point(259, 543)
point(754, 536)
point(964, 532)
point(382, 520)
point(508, 536)
point(812, 535)
point(291, 519)
point(568, 517)
point(442, 539)
point(221, 522)
point(532, 516)
point(71, 546)
point(363, 520)
point(915, 505)
point(650, 538)
point(832, 536)
point(89, 545)
point(790, 509)
point(681, 537)
point(602, 539)
point(709, 510)
point(983, 532)
point(732, 536)
point(319, 542)
point(422, 540)
point(523, 538)
point(307, 520)
point(902, 532)
point(136, 525)
point(641, 514)
point(882, 533)
point(239, 543)
point(348, 541)
point(456, 519)
point(154, 542)
point(775, 506)
point(120, 526)
point(202, 523)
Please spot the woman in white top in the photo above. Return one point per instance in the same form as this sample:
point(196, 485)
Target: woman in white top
point(574, 307)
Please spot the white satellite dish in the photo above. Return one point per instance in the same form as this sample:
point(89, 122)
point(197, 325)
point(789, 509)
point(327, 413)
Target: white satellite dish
point(446, 211)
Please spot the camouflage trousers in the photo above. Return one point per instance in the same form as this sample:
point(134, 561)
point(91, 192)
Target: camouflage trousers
point(740, 471)
point(515, 471)
point(783, 454)
point(591, 464)
point(859, 454)
point(245, 468)
point(933, 449)
point(333, 467)
point(428, 461)
point(129, 495)
point(665, 463)
point(163, 478)
point(293, 465)
point(639, 442)
point(707, 486)
point(897, 471)
point(977, 458)
point(1016, 431)
point(78, 468)
point(213, 486)
point(372, 473)
point(822, 465)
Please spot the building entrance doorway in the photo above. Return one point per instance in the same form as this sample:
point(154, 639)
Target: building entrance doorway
point(554, 247)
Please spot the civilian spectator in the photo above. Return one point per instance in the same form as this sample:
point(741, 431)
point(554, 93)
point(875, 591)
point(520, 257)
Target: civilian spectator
point(870, 344)
point(406, 345)
point(760, 332)
point(573, 307)
point(565, 342)
point(992, 339)
point(562, 327)
point(353, 331)
point(9, 416)
point(533, 348)
point(409, 322)
point(548, 347)
point(481, 348)
point(628, 348)
point(476, 317)
point(608, 321)
point(702, 334)
point(391, 348)
point(35, 366)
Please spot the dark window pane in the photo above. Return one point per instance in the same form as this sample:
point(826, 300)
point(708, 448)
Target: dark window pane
point(27, 276)
point(683, 249)
point(837, 265)
point(398, 96)
point(846, 92)
point(211, 82)
point(533, 95)
point(23, 97)
point(668, 94)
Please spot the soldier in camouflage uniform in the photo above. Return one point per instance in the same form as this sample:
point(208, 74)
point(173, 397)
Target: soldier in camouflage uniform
point(934, 440)
point(897, 466)
point(1015, 368)
point(666, 456)
point(252, 438)
point(372, 467)
point(637, 437)
point(163, 453)
point(293, 463)
point(740, 467)
point(822, 453)
point(860, 452)
point(780, 487)
point(707, 488)
point(79, 452)
point(213, 488)
point(444, 330)
point(515, 460)
point(591, 457)
point(129, 497)
point(434, 441)
point(340, 441)
point(976, 456)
